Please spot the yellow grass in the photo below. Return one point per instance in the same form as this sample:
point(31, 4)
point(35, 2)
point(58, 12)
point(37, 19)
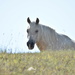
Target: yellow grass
point(44, 63)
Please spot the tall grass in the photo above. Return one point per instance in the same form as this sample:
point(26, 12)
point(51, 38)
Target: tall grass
point(44, 63)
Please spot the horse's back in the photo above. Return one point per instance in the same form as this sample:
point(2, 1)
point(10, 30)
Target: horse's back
point(65, 42)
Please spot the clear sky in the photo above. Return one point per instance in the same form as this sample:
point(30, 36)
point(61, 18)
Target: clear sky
point(57, 14)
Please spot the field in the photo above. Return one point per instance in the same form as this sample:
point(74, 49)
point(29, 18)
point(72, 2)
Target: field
point(44, 63)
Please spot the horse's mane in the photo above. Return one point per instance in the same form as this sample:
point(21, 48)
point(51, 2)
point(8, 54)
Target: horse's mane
point(66, 36)
point(49, 28)
point(53, 31)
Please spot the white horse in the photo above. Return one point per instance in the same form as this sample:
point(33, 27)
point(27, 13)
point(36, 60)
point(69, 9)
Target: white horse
point(47, 38)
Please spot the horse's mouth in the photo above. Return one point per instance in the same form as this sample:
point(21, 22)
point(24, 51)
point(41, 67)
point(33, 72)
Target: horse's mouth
point(30, 45)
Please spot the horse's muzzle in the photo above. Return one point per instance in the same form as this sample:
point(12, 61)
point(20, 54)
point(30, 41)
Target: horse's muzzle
point(30, 44)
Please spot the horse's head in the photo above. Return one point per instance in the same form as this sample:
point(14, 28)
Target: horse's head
point(33, 33)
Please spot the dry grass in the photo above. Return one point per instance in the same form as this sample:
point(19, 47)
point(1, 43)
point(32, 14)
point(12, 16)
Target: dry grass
point(44, 63)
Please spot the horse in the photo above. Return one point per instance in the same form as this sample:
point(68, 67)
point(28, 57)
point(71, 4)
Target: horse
point(47, 38)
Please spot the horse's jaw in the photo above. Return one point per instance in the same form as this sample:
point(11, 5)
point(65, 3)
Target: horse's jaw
point(41, 45)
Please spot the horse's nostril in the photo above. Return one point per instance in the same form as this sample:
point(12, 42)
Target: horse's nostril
point(30, 44)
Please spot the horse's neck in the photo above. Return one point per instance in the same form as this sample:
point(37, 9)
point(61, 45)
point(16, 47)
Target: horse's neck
point(44, 39)
point(41, 45)
point(47, 38)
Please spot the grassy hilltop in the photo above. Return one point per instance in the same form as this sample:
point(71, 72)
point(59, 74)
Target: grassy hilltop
point(44, 63)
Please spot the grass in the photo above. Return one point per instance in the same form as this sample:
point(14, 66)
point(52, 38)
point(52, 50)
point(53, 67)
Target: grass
point(44, 63)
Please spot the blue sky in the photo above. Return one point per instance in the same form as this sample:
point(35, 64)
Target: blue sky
point(57, 14)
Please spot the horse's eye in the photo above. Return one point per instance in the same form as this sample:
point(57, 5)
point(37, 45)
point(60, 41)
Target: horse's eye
point(36, 31)
point(27, 30)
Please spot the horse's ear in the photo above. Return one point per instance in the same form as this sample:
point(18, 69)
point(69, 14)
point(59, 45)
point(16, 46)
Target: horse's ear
point(28, 20)
point(37, 21)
